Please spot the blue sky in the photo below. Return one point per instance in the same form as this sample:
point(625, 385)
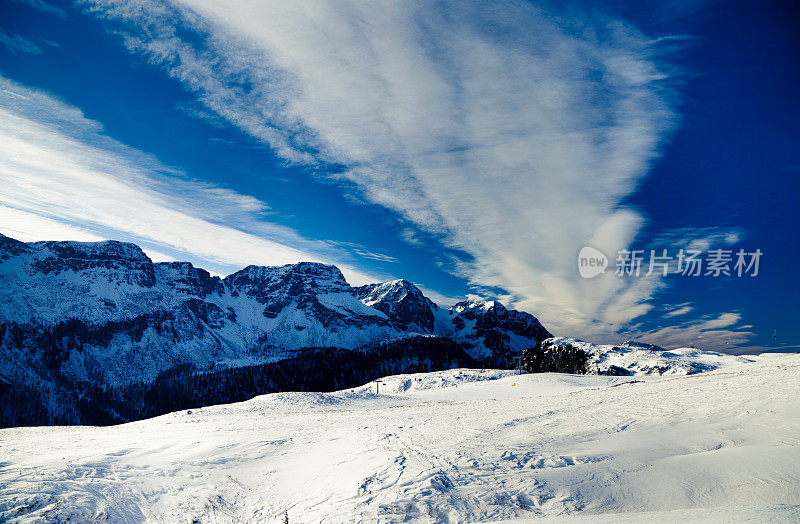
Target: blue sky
point(472, 148)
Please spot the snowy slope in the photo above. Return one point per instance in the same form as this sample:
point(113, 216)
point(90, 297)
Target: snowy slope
point(716, 446)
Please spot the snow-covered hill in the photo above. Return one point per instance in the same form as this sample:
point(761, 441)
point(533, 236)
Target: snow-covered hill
point(453, 446)
point(569, 355)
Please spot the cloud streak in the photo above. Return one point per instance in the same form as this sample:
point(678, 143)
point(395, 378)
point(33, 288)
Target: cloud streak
point(61, 177)
point(18, 44)
point(506, 131)
point(41, 5)
point(723, 332)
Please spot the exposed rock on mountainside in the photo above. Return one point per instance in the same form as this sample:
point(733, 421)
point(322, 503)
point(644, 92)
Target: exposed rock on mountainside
point(94, 329)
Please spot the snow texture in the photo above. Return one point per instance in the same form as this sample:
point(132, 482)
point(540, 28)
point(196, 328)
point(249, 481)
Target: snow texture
point(451, 446)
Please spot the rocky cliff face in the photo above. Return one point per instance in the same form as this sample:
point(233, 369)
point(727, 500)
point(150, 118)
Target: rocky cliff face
point(105, 313)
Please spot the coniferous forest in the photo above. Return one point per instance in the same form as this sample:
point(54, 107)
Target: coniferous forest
point(58, 400)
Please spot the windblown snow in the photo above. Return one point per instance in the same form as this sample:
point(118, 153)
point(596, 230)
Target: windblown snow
point(451, 446)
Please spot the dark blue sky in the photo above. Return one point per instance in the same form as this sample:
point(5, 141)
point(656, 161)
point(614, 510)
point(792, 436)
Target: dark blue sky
point(731, 162)
point(735, 159)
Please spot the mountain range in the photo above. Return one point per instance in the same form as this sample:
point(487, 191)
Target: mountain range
point(103, 315)
point(98, 333)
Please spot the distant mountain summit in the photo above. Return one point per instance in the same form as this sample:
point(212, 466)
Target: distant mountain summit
point(403, 303)
point(494, 331)
point(103, 313)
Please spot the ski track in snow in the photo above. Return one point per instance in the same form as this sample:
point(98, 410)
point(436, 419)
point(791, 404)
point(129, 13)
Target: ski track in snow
point(453, 446)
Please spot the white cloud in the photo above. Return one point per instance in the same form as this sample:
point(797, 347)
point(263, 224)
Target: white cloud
point(410, 236)
point(721, 333)
point(30, 227)
point(511, 133)
point(507, 132)
point(61, 178)
point(698, 238)
point(678, 311)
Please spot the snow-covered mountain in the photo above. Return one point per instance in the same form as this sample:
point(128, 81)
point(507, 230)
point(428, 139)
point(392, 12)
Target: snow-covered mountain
point(94, 329)
point(491, 330)
point(149, 316)
point(104, 313)
point(405, 305)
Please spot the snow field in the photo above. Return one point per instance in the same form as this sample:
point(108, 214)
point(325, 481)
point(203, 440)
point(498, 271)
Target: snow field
point(717, 446)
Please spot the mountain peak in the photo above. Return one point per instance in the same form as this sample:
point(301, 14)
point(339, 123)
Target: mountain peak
point(402, 302)
point(478, 304)
point(187, 279)
point(293, 280)
point(395, 290)
point(105, 249)
point(642, 345)
point(10, 247)
point(110, 261)
point(315, 270)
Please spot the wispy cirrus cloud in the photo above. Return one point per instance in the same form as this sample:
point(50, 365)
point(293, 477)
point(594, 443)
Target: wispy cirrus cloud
point(18, 44)
point(46, 7)
point(62, 178)
point(722, 332)
point(508, 132)
point(680, 309)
